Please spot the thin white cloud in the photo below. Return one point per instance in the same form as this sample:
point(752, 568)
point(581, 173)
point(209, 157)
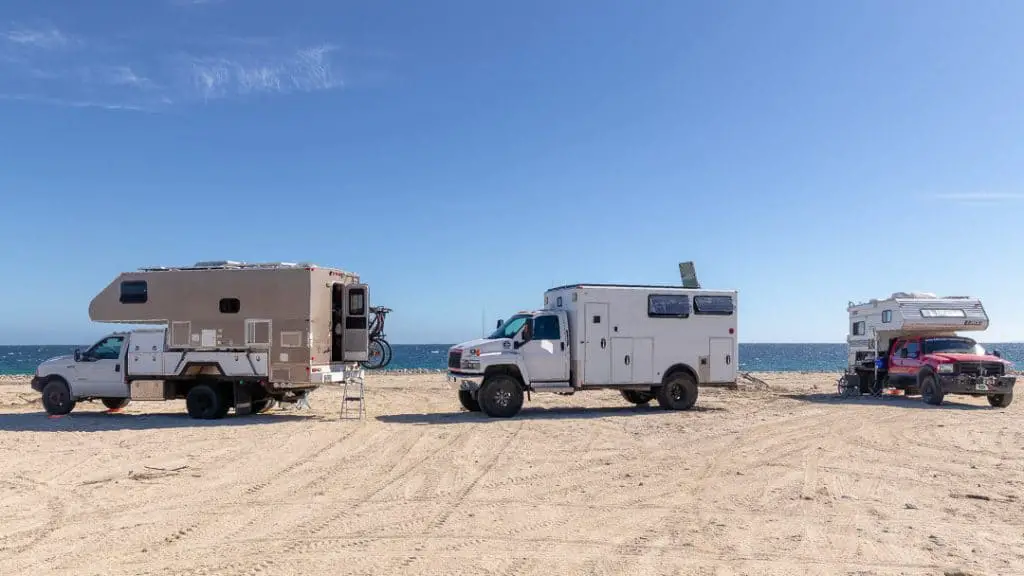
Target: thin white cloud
point(135, 75)
point(980, 198)
point(47, 38)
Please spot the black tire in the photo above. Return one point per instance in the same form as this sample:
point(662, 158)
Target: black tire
point(387, 352)
point(678, 392)
point(204, 402)
point(468, 402)
point(931, 391)
point(638, 397)
point(1000, 400)
point(57, 398)
point(500, 396)
point(376, 354)
point(115, 403)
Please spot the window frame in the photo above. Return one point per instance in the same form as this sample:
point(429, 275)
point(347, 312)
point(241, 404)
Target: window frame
point(558, 327)
point(231, 309)
point(863, 328)
point(886, 316)
point(134, 297)
point(696, 307)
point(682, 315)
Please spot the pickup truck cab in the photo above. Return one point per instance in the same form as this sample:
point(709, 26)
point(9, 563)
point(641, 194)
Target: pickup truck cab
point(96, 373)
point(940, 365)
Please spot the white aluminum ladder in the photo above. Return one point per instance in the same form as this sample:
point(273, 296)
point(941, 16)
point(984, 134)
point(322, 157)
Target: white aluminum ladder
point(352, 391)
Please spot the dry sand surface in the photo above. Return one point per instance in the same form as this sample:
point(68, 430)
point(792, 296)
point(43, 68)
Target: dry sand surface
point(784, 479)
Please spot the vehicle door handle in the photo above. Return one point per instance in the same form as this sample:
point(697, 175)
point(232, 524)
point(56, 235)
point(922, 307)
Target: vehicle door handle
point(562, 345)
point(627, 359)
point(602, 342)
point(728, 359)
point(117, 367)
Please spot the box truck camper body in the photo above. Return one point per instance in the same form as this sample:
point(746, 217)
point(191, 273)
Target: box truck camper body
point(278, 329)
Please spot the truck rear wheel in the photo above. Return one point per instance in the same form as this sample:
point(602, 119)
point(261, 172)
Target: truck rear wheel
point(1000, 400)
point(57, 398)
point(115, 403)
point(638, 397)
point(203, 402)
point(468, 402)
point(679, 392)
point(931, 392)
point(500, 396)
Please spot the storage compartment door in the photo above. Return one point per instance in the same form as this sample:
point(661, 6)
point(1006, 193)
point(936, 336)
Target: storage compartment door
point(622, 360)
point(643, 360)
point(723, 364)
point(355, 338)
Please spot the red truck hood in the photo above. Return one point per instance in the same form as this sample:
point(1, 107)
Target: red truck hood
point(956, 357)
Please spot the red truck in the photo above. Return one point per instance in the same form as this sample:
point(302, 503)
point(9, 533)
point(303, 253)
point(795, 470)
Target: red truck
point(934, 366)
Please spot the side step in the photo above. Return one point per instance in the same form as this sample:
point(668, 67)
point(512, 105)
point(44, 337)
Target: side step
point(353, 392)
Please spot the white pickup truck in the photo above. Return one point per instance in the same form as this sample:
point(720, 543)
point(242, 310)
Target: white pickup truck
point(125, 366)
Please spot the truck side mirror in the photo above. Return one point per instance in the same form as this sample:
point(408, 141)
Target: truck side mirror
point(498, 325)
point(903, 353)
point(78, 355)
point(997, 353)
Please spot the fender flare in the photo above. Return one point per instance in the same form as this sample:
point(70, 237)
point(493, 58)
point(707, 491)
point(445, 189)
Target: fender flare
point(680, 367)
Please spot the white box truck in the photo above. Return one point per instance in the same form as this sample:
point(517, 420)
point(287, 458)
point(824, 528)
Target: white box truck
point(649, 342)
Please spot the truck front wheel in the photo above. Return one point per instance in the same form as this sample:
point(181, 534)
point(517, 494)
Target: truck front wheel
point(57, 398)
point(468, 402)
point(931, 392)
point(500, 396)
point(679, 392)
point(204, 403)
point(1000, 400)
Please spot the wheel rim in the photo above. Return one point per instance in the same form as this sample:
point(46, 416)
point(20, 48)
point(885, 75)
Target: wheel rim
point(57, 397)
point(203, 403)
point(676, 391)
point(502, 398)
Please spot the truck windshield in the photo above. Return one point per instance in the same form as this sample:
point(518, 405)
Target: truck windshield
point(955, 345)
point(510, 327)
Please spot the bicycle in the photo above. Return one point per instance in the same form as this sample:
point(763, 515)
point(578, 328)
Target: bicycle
point(379, 352)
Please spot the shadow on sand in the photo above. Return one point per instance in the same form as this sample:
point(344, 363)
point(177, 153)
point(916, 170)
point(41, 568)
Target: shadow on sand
point(86, 421)
point(534, 413)
point(905, 402)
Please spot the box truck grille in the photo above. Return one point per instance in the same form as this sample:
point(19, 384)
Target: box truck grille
point(455, 359)
point(980, 368)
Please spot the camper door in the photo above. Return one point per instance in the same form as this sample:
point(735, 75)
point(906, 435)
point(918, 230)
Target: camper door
point(355, 341)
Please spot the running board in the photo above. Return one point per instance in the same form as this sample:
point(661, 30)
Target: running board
point(550, 386)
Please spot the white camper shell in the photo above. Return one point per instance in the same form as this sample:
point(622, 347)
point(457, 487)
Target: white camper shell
point(875, 323)
point(649, 342)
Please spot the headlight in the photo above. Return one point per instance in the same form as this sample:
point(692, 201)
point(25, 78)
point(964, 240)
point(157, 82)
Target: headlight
point(470, 365)
point(473, 352)
point(945, 368)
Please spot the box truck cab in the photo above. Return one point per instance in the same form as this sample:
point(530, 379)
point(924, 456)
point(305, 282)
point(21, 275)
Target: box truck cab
point(649, 342)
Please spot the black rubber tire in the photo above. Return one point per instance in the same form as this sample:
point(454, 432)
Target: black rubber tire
point(204, 402)
point(638, 397)
point(57, 398)
point(387, 353)
point(678, 392)
point(931, 392)
point(115, 403)
point(468, 402)
point(1000, 400)
point(500, 396)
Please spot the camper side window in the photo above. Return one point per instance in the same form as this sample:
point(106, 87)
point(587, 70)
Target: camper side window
point(717, 305)
point(858, 328)
point(356, 302)
point(668, 306)
point(230, 305)
point(886, 316)
point(134, 292)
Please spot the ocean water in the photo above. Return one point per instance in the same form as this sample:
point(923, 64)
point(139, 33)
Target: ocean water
point(753, 357)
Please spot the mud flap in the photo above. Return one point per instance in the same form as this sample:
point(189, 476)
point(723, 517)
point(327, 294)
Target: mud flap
point(243, 400)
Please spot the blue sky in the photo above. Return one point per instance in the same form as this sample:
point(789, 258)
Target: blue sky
point(464, 156)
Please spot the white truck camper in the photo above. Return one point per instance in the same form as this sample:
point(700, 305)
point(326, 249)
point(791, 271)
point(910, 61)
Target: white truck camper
point(648, 342)
point(911, 341)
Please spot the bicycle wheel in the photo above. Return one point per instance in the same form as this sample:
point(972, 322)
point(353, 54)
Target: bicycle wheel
point(387, 352)
point(375, 356)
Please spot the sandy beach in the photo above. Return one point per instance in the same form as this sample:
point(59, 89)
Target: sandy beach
point(778, 477)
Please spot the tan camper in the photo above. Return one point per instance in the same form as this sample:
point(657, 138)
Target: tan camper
point(233, 335)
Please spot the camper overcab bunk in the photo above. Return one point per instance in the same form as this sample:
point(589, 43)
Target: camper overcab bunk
point(649, 342)
point(911, 342)
point(231, 335)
